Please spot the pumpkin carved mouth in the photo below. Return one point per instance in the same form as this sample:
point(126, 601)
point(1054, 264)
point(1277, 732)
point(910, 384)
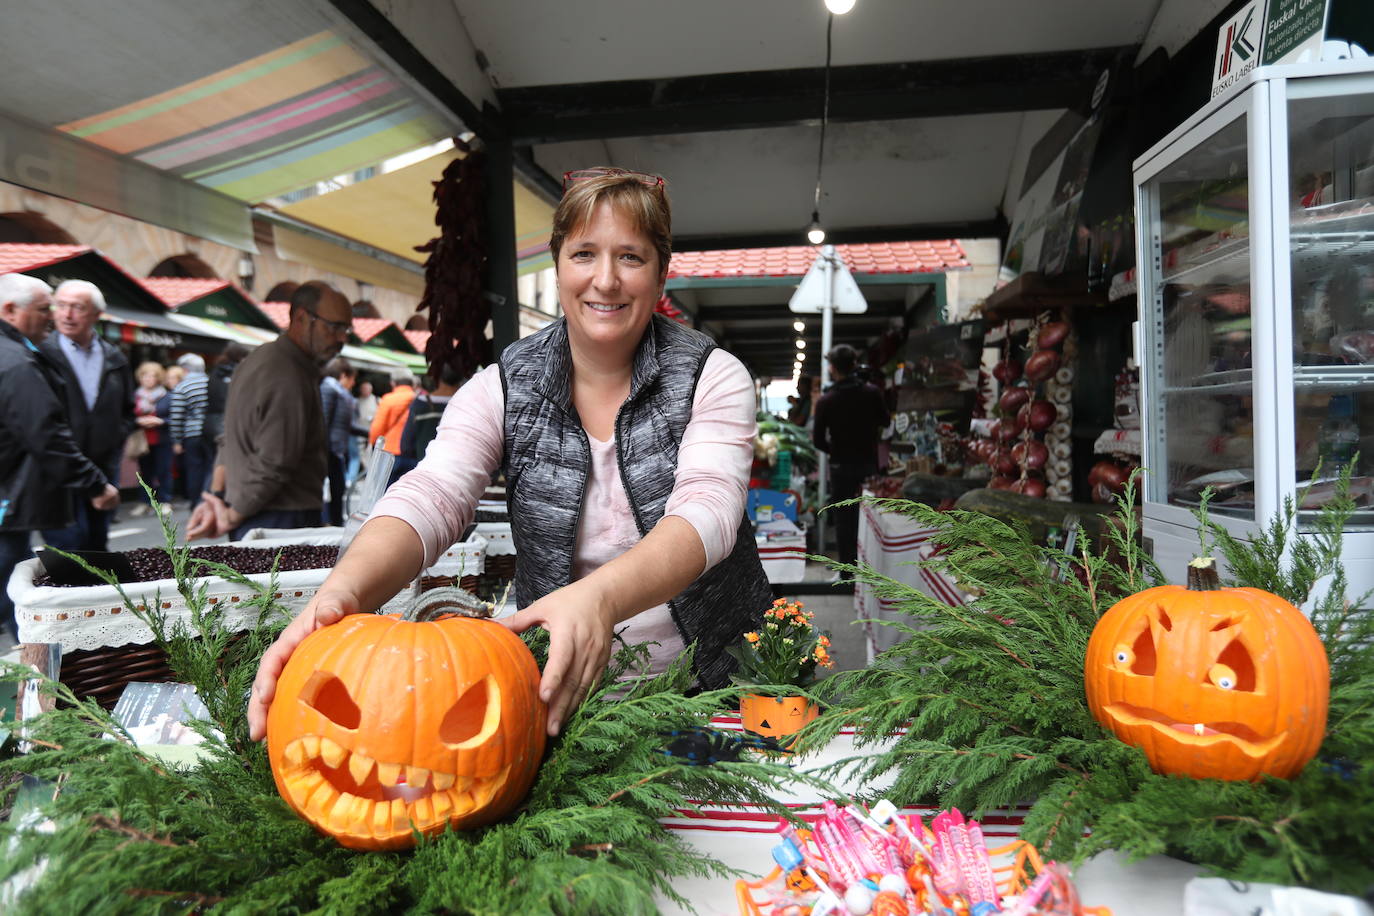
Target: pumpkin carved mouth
point(350, 791)
point(1249, 741)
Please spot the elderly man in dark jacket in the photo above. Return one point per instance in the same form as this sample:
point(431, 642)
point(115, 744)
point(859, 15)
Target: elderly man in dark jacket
point(40, 464)
point(100, 401)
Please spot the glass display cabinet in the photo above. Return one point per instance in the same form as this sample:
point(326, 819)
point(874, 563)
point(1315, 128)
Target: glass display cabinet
point(1255, 236)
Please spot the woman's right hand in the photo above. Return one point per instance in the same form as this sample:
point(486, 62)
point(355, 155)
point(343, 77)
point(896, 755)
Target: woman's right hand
point(328, 606)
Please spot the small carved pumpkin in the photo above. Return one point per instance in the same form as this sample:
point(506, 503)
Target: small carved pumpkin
point(1210, 682)
point(381, 726)
point(776, 717)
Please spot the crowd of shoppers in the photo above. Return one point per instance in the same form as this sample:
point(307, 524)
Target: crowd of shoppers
point(248, 442)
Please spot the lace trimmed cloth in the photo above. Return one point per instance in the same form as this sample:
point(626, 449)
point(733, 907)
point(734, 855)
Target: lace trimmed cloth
point(95, 617)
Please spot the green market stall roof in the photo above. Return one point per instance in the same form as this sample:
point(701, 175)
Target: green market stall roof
point(218, 300)
point(382, 332)
point(132, 312)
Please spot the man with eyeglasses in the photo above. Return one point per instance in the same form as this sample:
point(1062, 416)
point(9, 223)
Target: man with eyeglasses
point(274, 457)
point(41, 466)
point(100, 402)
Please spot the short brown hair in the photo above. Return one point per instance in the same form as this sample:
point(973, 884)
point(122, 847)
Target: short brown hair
point(647, 207)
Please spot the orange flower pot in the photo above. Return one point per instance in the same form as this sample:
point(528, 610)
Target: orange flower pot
point(776, 717)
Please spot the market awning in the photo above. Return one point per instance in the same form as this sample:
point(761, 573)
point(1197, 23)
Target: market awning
point(369, 358)
point(395, 212)
point(246, 334)
point(395, 357)
point(131, 326)
point(301, 112)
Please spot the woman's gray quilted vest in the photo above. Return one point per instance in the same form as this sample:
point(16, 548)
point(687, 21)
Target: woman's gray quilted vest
point(546, 460)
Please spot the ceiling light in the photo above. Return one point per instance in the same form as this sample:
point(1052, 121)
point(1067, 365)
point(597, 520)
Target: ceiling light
point(839, 7)
point(801, 345)
point(801, 357)
point(814, 233)
point(799, 326)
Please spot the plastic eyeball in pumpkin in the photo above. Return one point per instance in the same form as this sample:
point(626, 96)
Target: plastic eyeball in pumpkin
point(1210, 682)
point(383, 726)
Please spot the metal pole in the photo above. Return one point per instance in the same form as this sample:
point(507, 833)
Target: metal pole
point(827, 311)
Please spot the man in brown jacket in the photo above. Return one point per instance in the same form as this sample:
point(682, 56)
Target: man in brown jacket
point(274, 455)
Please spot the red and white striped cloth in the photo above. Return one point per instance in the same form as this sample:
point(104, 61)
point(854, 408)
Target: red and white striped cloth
point(805, 801)
point(894, 546)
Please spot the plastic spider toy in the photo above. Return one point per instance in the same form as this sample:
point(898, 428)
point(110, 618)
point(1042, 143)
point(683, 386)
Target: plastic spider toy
point(698, 746)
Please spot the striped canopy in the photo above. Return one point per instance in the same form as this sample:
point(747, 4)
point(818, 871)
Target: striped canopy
point(282, 120)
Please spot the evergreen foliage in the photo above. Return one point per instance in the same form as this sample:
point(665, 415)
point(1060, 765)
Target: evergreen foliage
point(136, 835)
point(993, 702)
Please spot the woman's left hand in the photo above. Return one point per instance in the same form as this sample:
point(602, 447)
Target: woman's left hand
point(580, 623)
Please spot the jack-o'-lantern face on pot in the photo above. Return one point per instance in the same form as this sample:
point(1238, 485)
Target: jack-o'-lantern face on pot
point(382, 726)
point(1209, 682)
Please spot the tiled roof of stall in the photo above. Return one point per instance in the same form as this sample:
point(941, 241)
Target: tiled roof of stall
point(795, 260)
point(17, 257)
point(280, 312)
point(177, 291)
point(367, 328)
point(417, 339)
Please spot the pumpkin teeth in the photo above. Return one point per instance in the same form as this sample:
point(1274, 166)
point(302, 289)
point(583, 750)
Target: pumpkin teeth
point(311, 743)
point(295, 753)
point(417, 777)
point(331, 753)
point(388, 774)
point(360, 767)
point(442, 781)
point(323, 800)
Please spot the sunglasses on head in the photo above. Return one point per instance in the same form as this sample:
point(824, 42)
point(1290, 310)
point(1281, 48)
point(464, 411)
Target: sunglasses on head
point(572, 177)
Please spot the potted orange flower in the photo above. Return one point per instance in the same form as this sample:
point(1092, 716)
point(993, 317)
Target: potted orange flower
point(786, 650)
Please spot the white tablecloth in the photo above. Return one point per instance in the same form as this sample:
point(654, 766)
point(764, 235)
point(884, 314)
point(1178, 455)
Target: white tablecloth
point(894, 546)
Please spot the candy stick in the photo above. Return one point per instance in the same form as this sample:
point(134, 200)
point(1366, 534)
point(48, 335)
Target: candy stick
point(885, 811)
point(984, 876)
point(854, 844)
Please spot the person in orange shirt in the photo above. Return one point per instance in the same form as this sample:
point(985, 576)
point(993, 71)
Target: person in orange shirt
point(390, 420)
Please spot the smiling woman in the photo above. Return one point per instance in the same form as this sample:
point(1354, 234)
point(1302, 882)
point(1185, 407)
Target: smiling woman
point(625, 440)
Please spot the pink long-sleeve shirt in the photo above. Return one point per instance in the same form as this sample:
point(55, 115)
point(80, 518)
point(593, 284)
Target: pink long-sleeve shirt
point(438, 498)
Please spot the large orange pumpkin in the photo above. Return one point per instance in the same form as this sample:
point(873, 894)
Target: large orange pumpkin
point(1210, 682)
point(381, 726)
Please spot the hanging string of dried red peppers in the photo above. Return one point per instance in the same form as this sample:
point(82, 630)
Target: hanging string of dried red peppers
point(455, 272)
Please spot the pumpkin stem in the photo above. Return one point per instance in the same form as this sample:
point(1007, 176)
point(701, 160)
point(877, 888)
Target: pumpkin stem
point(1202, 575)
point(442, 602)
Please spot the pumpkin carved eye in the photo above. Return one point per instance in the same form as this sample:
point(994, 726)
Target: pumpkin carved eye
point(1143, 653)
point(328, 696)
point(1235, 663)
point(475, 716)
point(1222, 676)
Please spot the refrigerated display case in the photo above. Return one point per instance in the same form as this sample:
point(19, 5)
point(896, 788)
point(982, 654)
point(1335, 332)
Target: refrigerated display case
point(1255, 235)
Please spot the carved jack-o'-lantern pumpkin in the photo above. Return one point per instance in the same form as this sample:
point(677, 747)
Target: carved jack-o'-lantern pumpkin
point(381, 725)
point(1210, 682)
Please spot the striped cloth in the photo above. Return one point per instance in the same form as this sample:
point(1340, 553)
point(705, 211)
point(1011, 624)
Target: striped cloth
point(189, 401)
